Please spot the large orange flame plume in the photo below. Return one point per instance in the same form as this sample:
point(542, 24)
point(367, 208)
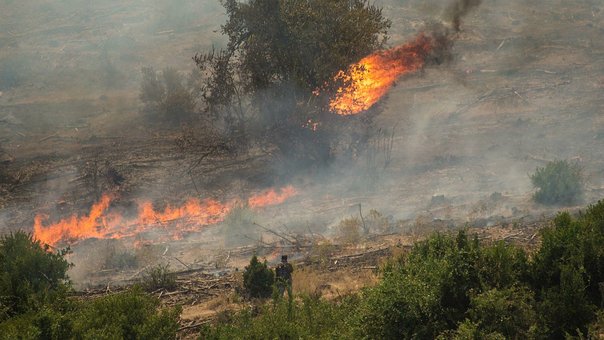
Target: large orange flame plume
point(365, 82)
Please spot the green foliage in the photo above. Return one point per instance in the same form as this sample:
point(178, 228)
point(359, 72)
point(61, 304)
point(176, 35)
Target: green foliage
point(287, 50)
point(573, 243)
point(503, 266)
point(159, 277)
point(128, 315)
point(30, 275)
point(46, 323)
point(302, 41)
point(509, 312)
point(302, 318)
point(565, 307)
point(559, 182)
point(258, 279)
point(470, 330)
point(425, 293)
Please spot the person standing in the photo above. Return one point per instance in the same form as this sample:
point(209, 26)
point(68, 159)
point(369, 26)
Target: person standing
point(283, 273)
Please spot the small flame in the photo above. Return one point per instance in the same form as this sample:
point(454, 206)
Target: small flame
point(369, 79)
point(271, 197)
point(100, 222)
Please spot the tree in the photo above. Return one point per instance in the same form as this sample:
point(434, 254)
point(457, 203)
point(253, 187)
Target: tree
point(30, 275)
point(279, 53)
point(258, 279)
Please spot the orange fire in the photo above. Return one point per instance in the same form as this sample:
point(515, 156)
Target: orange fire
point(100, 222)
point(368, 80)
point(271, 197)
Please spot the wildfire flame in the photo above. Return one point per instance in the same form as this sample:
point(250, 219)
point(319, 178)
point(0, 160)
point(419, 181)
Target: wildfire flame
point(368, 80)
point(100, 222)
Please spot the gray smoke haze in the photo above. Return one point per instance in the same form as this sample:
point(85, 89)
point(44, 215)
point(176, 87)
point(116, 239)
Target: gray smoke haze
point(459, 9)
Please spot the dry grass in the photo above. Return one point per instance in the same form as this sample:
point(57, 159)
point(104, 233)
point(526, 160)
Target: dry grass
point(349, 230)
point(332, 284)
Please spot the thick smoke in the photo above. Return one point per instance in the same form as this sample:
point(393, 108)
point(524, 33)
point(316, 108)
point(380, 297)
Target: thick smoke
point(458, 9)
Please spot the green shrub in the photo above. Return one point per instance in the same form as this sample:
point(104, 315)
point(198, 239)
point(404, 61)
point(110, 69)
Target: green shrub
point(567, 269)
point(30, 275)
point(502, 265)
point(576, 243)
point(302, 318)
point(424, 293)
point(46, 323)
point(128, 315)
point(565, 307)
point(258, 279)
point(509, 312)
point(559, 182)
point(469, 330)
point(159, 277)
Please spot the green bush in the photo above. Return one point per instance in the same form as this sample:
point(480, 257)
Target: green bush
point(469, 330)
point(429, 291)
point(128, 315)
point(509, 312)
point(30, 275)
point(565, 307)
point(559, 182)
point(159, 277)
point(258, 279)
point(302, 318)
point(567, 269)
point(576, 243)
point(46, 323)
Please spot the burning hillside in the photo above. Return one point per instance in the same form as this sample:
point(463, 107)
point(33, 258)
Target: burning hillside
point(103, 222)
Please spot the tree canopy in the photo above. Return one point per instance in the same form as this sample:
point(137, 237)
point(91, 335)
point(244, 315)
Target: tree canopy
point(279, 54)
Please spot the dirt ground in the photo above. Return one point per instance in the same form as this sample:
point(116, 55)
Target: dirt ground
point(525, 87)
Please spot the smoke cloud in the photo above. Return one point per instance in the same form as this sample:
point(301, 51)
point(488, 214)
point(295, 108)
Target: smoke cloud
point(458, 9)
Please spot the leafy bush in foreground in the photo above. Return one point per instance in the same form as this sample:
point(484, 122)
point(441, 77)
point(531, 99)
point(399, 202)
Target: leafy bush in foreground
point(258, 279)
point(306, 318)
point(128, 315)
point(30, 275)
